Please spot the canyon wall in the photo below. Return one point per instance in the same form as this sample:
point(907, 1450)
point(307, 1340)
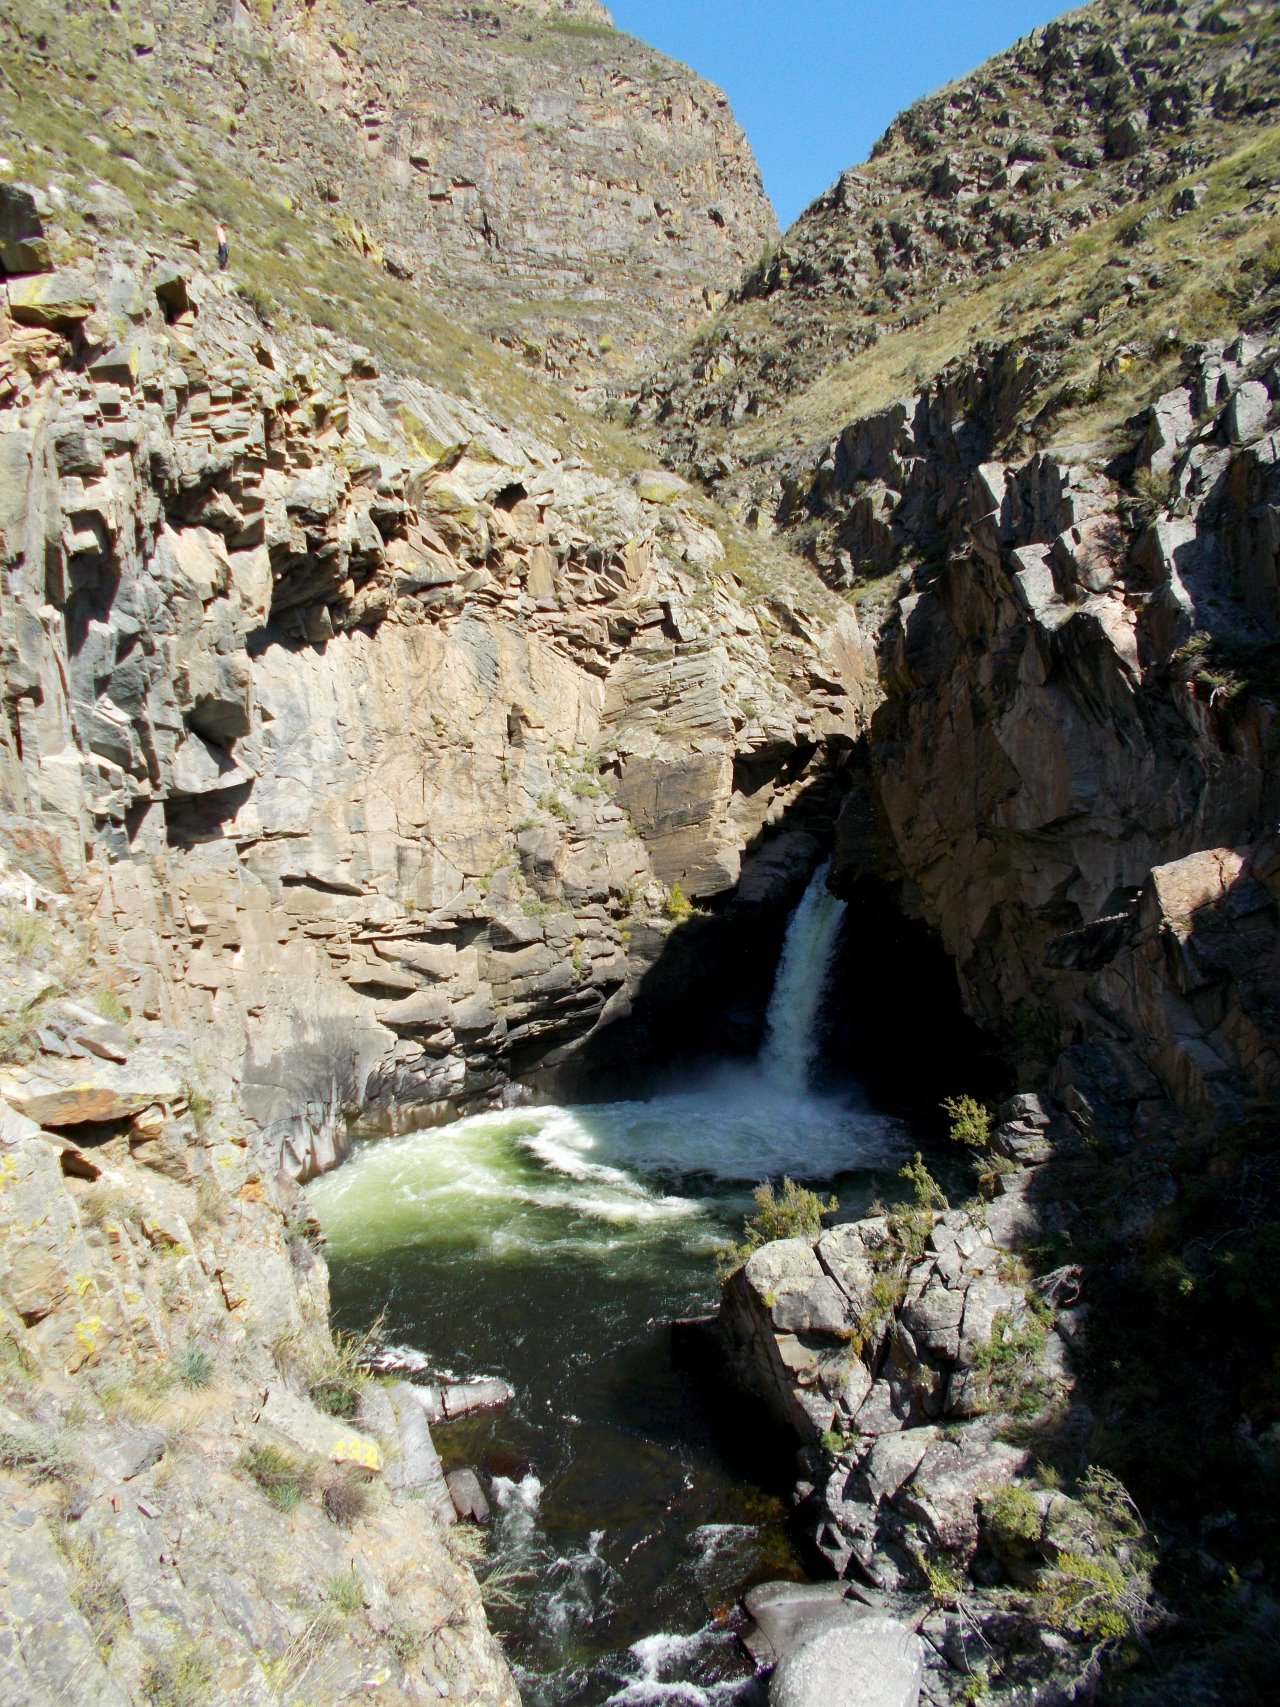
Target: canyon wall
point(385, 733)
point(527, 169)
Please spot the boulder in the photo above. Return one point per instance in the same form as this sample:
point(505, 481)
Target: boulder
point(468, 1496)
point(787, 1613)
point(73, 1092)
point(416, 1469)
point(56, 301)
point(1248, 412)
point(868, 1662)
point(170, 287)
point(23, 245)
point(319, 1435)
point(465, 1398)
point(657, 486)
point(790, 1281)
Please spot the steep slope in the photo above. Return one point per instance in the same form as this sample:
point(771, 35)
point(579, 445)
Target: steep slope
point(1043, 465)
point(371, 715)
point(1095, 199)
point(533, 171)
point(387, 727)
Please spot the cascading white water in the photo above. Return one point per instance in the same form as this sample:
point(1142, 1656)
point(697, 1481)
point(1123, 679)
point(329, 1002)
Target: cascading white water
point(791, 1024)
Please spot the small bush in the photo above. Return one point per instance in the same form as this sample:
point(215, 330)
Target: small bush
point(1010, 1361)
point(678, 906)
point(346, 1593)
point(182, 1677)
point(283, 1478)
point(970, 1121)
point(24, 934)
point(946, 1585)
point(37, 1453)
point(17, 1034)
point(1012, 1516)
point(797, 1214)
point(96, 1594)
point(337, 1383)
point(199, 1105)
point(405, 1639)
point(928, 1194)
point(499, 1586)
point(111, 1007)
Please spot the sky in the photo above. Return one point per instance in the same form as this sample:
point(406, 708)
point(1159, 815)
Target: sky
point(815, 82)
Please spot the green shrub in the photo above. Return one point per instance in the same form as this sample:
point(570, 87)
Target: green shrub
point(926, 1191)
point(946, 1585)
point(346, 1593)
point(345, 1497)
point(678, 906)
point(970, 1121)
point(180, 1677)
point(24, 934)
point(335, 1385)
point(195, 1367)
point(797, 1214)
point(1010, 1360)
point(110, 1005)
point(1012, 1516)
point(37, 1453)
point(405, 1639)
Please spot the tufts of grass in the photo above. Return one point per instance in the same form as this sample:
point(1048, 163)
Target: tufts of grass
point(346, 1593)
point(182, 1676)
point(284, 1479)
point(195, 1367)
point(40, 1454)
point(26, 935)
point(112, 1006)
point(345, 1496)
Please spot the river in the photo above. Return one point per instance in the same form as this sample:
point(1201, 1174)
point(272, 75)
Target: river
point(553, 1246)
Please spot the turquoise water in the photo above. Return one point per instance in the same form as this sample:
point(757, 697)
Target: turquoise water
point(553, 1246)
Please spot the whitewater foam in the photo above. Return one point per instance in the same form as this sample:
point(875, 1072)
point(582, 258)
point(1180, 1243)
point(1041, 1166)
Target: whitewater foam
point(792, 1033)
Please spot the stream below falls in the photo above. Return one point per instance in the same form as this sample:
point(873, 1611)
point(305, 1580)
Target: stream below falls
point(553, 1246)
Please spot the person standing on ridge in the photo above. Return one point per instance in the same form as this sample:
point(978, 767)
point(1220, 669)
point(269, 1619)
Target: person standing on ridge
point(224, 253)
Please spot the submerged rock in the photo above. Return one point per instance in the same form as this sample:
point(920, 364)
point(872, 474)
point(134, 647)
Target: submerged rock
point(860, 1662)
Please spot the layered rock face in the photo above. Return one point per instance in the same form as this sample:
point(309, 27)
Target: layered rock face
point(386, 730)
point(194, 1507)
point(533, 170)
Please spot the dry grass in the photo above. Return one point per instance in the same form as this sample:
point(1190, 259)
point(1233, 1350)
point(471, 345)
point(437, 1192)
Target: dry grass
point(1207, 257)
point(291, 263)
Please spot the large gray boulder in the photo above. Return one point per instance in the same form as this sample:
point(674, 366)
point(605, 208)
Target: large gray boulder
point(870, 1662)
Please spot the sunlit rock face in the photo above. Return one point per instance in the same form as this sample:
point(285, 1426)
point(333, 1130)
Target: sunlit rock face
point(542, 176)
point(387, 730)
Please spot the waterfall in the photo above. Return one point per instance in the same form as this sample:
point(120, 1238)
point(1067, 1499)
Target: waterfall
point(791, 1029)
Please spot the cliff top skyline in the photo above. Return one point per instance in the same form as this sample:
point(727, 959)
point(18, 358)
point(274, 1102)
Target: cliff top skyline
point(857, 63)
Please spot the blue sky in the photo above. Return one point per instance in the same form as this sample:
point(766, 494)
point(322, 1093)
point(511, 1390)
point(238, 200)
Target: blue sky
point(815, 82)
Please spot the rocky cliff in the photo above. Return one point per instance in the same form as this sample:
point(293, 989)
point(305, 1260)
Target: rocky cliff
point(1049, 484)
point(1039, 203)
point(386, 731)
point(374, 714)
point(372, 719)
point(527, 168)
